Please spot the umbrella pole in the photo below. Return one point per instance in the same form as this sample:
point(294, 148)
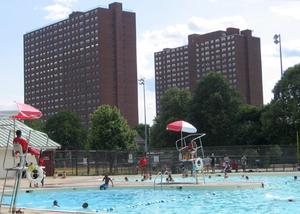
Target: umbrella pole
point(14, 135)
point(181, 139)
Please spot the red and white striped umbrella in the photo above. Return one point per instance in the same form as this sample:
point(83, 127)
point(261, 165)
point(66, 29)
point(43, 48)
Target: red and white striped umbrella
point(181, 126)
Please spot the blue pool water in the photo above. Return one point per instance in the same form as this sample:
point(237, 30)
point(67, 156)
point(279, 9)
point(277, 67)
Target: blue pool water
point(274, 198)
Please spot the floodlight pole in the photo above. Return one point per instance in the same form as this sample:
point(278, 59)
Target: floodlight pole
point(277, 40)
point(142, 82)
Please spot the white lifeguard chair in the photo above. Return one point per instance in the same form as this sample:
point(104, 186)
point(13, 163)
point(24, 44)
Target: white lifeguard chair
point(15, 111)
point(190, 149)
point(189, 146)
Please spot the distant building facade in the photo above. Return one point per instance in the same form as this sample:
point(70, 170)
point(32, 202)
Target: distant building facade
point(235, 54)
point(83, 62)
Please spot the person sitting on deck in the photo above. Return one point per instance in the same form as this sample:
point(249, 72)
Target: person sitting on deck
point(24, 144)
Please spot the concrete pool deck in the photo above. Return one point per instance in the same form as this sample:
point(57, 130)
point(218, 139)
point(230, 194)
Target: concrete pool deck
point(94, 181)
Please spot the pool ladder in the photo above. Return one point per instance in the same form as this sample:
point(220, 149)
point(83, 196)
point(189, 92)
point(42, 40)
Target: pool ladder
point(161, 175)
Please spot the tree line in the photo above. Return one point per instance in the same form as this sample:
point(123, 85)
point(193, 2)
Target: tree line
point(109, 130)
point(215, 108)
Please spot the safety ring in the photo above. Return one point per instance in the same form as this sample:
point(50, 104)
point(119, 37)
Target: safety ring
point(199, 164)
point(36, 175)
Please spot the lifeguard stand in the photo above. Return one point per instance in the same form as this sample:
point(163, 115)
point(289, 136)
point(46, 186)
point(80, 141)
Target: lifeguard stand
point(10, 191)
point(191, 150)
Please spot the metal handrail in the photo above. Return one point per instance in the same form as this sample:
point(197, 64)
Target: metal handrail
point(6, 149)
point(158, 174)
point(161, 178)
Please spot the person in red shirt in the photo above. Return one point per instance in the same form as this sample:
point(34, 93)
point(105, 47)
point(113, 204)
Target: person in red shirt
point(143, 164)
point(41, 161)
point(24, 143)
point(234, 165)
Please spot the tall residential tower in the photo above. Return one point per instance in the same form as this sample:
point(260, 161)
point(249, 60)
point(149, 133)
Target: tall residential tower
point(233, 53)
point(83, 62)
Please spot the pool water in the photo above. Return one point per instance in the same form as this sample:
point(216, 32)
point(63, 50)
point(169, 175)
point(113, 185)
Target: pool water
point(280, 195)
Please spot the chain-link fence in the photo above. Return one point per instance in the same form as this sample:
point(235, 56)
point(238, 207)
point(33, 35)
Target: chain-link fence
point(266, 158)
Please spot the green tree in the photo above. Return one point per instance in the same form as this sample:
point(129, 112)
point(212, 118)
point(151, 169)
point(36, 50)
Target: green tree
point(272, 156)
point(66, 129)
point(35, 124)
point(275, 128)
point(140, 129)
point(249, 131)
point(281, 118)
point(213, 109)
point(174, 106)
point(110, 130)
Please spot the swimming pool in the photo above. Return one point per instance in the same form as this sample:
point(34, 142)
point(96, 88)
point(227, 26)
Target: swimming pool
point(280, 195)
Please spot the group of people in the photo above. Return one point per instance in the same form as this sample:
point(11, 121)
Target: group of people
point(210, 163)
point(55, 204)
point(62, 175)
point(227, 165)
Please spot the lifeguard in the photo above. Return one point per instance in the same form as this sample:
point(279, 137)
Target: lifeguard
point(24, 143)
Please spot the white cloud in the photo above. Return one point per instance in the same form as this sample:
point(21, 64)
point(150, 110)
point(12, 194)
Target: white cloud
point(292, 44)
point(66, 2)
point(56, 12)
point(176, 35)
point(153, 41)
point(272, 73)
point(150, 106)
point(201, 25)
point(289, 9)
point(59, 9)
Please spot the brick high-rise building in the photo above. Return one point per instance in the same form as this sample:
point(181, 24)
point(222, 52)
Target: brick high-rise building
point(83, 62)
point(233, 53)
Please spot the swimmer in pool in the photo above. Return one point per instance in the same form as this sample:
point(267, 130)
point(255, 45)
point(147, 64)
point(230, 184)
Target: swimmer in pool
point(55, 203)
point(85, 205)
point(106, 180)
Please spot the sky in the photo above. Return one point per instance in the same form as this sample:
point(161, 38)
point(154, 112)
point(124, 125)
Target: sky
point(160, 24)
